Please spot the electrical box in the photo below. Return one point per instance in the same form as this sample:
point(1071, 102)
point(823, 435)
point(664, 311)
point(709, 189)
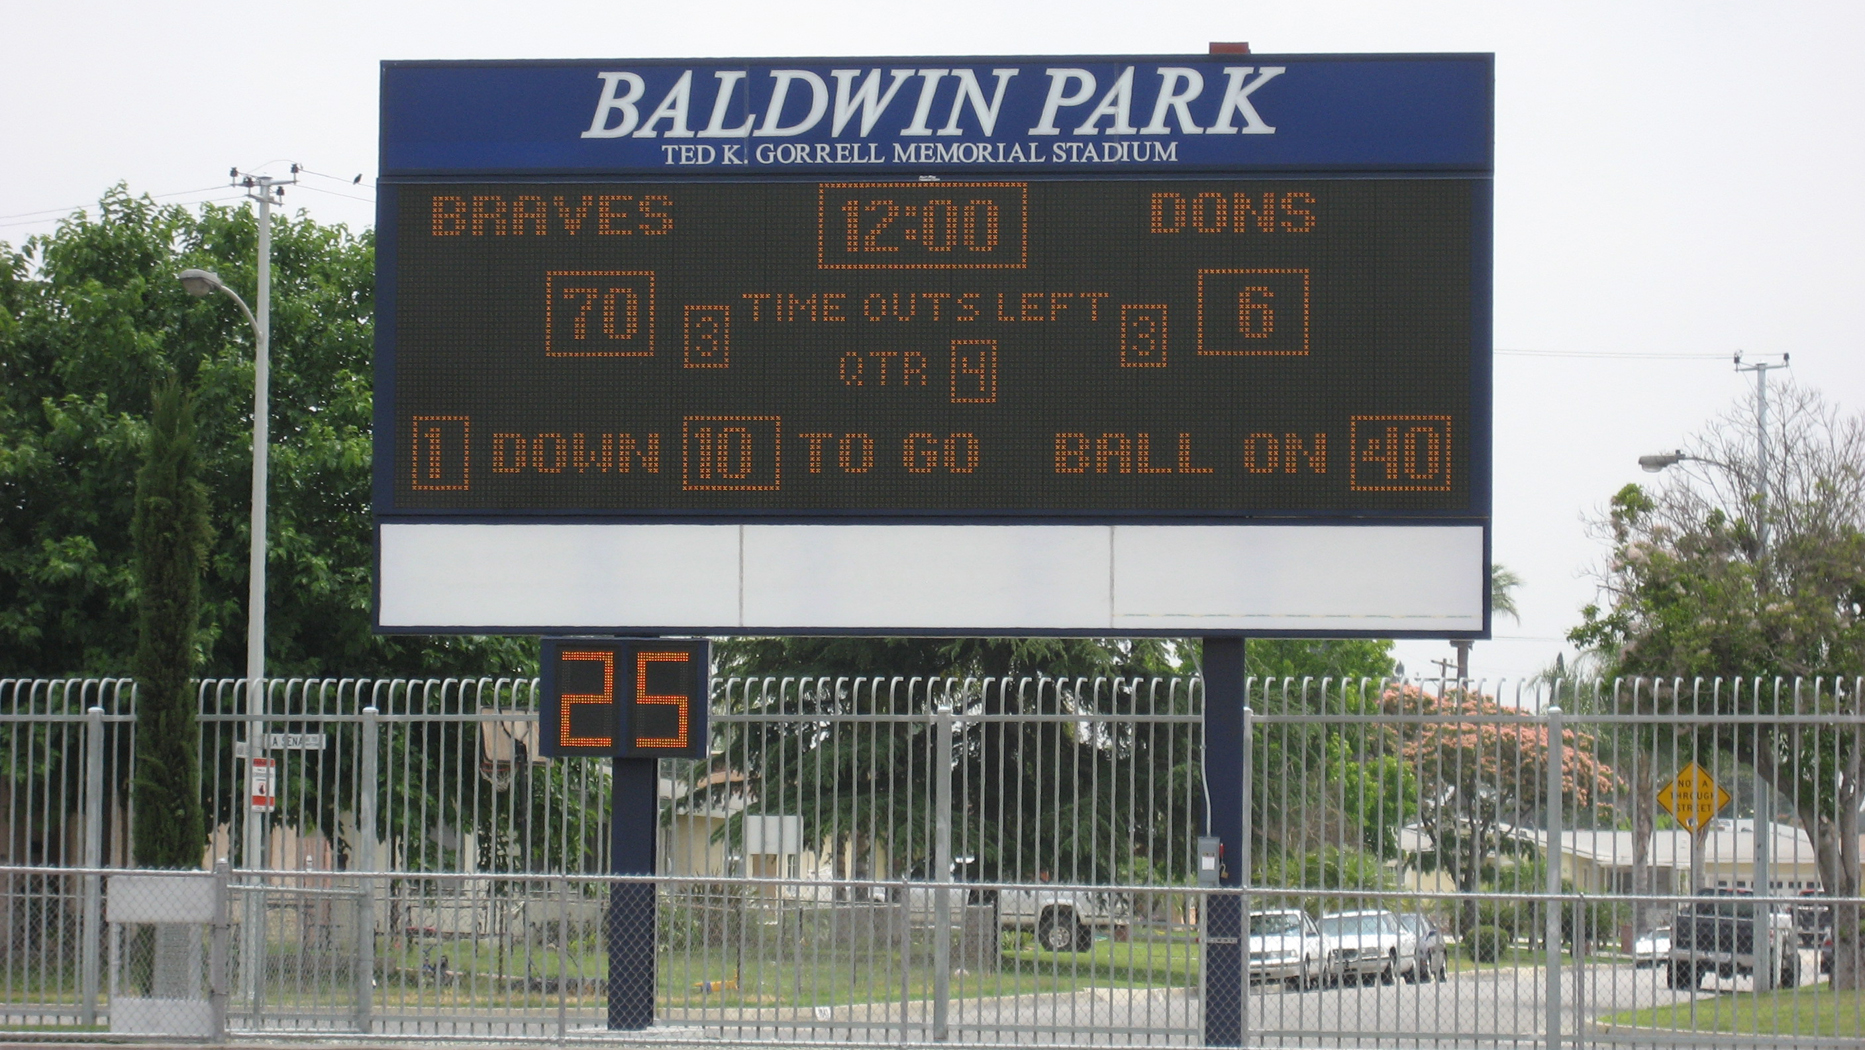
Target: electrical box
point(1210, 860)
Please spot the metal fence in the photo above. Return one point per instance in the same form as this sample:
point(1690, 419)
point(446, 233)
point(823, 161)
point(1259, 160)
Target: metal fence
point(907, 861)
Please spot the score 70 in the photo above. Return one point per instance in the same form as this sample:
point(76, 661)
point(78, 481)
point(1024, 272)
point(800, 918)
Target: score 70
point(624, 698)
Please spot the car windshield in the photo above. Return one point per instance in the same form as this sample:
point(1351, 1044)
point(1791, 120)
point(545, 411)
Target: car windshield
point(1354, 924)
point(1275, 924)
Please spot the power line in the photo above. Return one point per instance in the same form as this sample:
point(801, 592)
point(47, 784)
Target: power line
point(54, 212)
point(356, 181)
point(50, 215)
point(334, 193)
point(1628, 354)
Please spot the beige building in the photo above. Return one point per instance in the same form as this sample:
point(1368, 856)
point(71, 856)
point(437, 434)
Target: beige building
point(1601, 861)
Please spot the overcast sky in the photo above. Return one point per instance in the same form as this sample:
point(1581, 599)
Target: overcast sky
point(1673, 180)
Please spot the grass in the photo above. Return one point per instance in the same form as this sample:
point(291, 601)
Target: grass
point(1814, 1011)
point(839, 979)
point(1510, 958)
point(765, 972)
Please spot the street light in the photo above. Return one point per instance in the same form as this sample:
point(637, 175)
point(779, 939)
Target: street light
point(1654, 464)
point(1764, 797)
point(203, 283)
point(200, 284)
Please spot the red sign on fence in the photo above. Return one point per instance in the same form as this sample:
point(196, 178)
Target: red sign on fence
point(263, 783)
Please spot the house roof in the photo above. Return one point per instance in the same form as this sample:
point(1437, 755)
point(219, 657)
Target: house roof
point(1727, 842)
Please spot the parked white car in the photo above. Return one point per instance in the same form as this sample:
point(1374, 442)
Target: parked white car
point(1652, 948)
point(1287, 946)
point(1370, 944)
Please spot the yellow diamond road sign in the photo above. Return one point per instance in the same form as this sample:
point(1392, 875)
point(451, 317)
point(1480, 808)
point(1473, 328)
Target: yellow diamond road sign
point(1693, 798)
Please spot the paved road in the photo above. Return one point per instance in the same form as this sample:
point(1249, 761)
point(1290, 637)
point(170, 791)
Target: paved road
point(1482, 1009)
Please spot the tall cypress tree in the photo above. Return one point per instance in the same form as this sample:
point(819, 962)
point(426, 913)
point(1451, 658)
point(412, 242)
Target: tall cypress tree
point(171, 535)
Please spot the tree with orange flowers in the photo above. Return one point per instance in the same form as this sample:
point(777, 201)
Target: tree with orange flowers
point(1482, 774)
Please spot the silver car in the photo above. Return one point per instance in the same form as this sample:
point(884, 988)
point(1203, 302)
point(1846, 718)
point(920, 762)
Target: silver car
point(1286, 946)
point(1370, 944)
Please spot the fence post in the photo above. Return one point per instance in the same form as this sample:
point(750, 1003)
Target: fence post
point(217, 951)
point(906, 956)
point(1556, 755)
point(563, 958)
point(93, 857)
point(942, 869)
point(366, 859)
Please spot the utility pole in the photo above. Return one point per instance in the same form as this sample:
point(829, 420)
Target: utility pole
point(1765, 963)
point(266, 190)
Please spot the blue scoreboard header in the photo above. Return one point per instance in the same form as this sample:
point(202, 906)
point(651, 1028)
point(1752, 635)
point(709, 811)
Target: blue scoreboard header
point(1158, 114)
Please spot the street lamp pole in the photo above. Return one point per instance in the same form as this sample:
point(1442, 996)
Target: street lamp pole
point(1762, 880)
point(262, 189)
point(256, 553)
point(1764, 796)
point(200, 283)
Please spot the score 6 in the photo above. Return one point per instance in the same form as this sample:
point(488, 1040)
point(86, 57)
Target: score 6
point(654, 708)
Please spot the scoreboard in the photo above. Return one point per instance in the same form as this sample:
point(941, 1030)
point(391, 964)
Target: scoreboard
point(1049, 368)
point(1050, 348)
point(627, 698)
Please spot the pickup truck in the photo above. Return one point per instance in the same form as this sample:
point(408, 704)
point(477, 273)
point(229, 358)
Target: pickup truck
point(1064, 919)
point(1716, 934)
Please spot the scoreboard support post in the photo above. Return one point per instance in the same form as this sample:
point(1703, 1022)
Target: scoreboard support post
point(1225, 767)
point(631, 920)
point(632, 701)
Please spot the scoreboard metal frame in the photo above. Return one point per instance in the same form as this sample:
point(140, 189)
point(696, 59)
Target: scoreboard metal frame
point(1370, 564)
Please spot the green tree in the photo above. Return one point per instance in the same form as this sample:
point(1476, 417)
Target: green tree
point(1037, 792)
point(171, 535)
point(1480, 781)
point(1692, 591)
point(90, 317)
point(1336, 658)
point(1050, 795)
point(1502, 584)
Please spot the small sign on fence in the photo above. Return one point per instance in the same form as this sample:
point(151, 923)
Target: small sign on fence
point(284, 742)
point(1694, 798)
point(264, 785)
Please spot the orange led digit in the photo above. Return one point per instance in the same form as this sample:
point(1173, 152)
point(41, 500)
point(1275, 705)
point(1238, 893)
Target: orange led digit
point(599, 313)
point(569, 702)
point(680, 702)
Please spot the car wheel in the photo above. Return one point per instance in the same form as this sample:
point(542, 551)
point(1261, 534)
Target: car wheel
point(1056, 931)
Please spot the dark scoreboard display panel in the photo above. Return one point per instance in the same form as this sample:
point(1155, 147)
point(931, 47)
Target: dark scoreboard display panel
point(959, 348)
point(623, 698)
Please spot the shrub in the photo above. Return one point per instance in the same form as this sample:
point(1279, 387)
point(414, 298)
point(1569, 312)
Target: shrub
point(1486, 943)
point(1503, 913)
